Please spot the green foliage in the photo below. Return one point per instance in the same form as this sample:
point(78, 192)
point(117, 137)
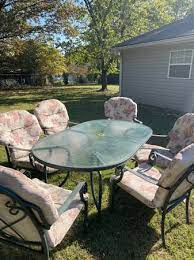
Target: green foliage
point(108, 22)
point(27, 17)
point(47, 60)
point(32, 57)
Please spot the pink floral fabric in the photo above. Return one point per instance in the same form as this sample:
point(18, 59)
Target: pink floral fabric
point(176, 169)
point(31, 192)
point(21, 129)
point(154, 195)
point(142, 189)
point(120, 108)
point(182, 133)
point(52, 116)
point(47, 197)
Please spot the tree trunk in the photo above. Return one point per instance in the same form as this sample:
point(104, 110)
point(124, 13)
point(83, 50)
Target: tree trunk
point(103, 80)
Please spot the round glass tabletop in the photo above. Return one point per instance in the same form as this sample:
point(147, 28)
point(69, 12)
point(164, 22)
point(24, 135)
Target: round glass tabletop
point(92, 145)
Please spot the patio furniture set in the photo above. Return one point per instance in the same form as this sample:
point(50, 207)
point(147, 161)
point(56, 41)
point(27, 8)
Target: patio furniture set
point(37, 215)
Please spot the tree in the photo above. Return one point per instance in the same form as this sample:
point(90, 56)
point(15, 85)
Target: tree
point(30, 57)
point(42, 59)
point(112, 21)
point(29, 17)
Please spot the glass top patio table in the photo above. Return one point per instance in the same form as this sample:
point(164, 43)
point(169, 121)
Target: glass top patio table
point(92, 145)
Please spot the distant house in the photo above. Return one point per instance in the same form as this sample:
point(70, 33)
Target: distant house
point(157, 67)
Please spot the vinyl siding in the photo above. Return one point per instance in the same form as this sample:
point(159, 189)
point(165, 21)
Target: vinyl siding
point(145, 78)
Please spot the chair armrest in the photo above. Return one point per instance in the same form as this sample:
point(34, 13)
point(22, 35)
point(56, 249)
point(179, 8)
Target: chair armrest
point(160, 136)
point(154, 154)
point(72, 123)
point(137, 121)
point(80, 189)
point(18, 148)
point(161, 140)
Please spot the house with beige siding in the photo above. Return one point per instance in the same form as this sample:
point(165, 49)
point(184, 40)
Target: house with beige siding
point(156, 68)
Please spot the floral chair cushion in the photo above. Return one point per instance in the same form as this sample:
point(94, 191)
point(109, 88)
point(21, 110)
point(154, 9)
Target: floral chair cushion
point(52, 115)
point(21, 129)
point(120, 108)
point(154, 194)
point(182, 133)
point(141, 189)
point(177, 167)
point(47, 197)
point(29, 191)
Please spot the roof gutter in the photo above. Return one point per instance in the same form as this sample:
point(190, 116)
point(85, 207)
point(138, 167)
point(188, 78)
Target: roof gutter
point(161, 42)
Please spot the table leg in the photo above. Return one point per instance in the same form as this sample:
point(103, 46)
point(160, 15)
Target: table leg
point(45, 174)
point(97, 202)
point(64, 181)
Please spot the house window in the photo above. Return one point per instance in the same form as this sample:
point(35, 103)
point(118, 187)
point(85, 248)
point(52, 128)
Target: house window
point(180, 64)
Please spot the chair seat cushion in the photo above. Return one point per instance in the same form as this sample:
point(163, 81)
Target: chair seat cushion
point(143, 155)
point(59, 229)
point(24, 162)
point(140, 188)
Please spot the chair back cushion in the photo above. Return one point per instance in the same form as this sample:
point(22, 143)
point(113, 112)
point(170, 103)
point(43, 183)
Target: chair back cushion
point(177, 167)
point(52, 115)
point(182, 134)
point(21, 129)
point(29, 191)
point(120, 108)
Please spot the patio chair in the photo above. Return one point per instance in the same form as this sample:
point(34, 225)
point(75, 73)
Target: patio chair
point(36, 215)
point(181, 135)
point(163, 190)
point(52, 116)
point(121, 108)
point(19, 131)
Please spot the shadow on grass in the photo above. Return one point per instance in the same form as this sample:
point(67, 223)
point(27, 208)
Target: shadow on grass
point(123, 234)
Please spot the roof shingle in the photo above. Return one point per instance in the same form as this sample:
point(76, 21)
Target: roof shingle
point(180, 28)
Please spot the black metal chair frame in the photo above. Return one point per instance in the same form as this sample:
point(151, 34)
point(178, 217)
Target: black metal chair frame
point(168, 204)
point(31, 159)
point(16, 205)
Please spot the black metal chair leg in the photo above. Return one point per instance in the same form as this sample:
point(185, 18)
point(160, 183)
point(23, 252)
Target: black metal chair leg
point(112, 196)
point(45, 175)
point(119, 171)
point(187, 208)
point(84, 199)
point(8, 156)
point(163, 228)
point(45, 247)
point(85, 216)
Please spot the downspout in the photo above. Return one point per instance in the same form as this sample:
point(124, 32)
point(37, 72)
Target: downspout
point(120, 74)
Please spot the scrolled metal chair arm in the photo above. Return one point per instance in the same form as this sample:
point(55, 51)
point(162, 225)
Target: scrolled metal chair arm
point(32, 161)
point(153, 157)
point(119, 172)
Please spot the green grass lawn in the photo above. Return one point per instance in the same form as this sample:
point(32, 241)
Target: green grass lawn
point(133, 230)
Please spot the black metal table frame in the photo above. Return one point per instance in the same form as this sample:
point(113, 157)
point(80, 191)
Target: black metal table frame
point(92, 172)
